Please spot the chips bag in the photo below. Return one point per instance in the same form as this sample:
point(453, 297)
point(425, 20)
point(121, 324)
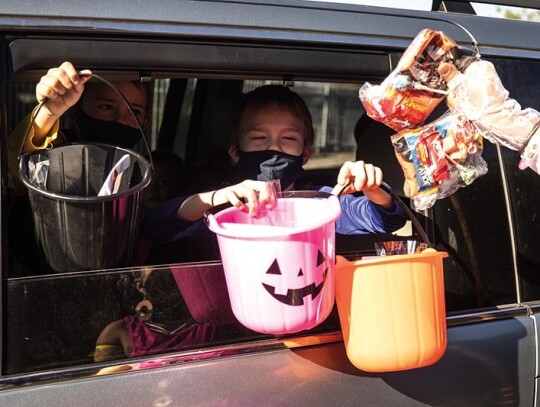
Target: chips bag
point(414, 89)
point(439, 158)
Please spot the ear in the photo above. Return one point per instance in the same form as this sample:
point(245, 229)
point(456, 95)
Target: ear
point(308, 152)
point(233, 152)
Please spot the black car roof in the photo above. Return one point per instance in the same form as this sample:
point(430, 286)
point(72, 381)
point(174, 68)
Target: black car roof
point(327, 26)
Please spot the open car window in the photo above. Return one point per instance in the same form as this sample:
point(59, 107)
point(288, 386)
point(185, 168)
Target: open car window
point(172, 299)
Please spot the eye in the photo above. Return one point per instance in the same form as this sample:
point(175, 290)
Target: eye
point(105, 106)
point(292, 137)
point(320, 258)
point(274, 268)
point(256, 136)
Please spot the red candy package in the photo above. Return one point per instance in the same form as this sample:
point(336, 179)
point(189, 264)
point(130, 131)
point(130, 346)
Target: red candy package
point(414, 89)
point(439, 158)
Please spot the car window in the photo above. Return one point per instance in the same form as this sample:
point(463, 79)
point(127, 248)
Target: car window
point(88, 314)
point(521, 78)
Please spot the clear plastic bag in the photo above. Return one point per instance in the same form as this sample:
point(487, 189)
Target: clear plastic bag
point(440, 157)
point(414, 89)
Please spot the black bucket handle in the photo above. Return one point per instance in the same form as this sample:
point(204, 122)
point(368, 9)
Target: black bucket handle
point(115, 88)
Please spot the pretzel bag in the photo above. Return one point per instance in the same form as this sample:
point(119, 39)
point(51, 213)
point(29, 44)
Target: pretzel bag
point(439, 158)
point(414, 88)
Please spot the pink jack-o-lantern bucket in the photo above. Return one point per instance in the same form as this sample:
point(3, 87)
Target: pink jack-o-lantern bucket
point(279, 266)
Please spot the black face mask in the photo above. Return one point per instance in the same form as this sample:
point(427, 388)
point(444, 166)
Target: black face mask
point(101, 131)
point(269, 165)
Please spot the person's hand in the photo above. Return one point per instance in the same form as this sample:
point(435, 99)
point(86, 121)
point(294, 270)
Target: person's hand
point(258, 194)
point(479, 93)
point(359, 176)
point(60, 89)
point(530, 156)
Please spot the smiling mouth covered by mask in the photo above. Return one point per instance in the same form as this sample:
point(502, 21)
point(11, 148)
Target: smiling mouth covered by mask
point(108, 132)
point(270, 165)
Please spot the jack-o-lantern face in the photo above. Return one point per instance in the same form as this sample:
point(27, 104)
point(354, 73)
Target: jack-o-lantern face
point(295, 296)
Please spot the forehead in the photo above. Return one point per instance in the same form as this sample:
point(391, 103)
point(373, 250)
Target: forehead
point(272, 114)
point(134, 94)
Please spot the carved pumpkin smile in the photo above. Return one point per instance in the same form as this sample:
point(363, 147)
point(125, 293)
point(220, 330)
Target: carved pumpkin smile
point(295, 296)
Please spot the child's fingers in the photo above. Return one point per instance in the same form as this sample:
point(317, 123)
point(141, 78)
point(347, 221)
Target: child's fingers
point(358, 171)
point(267, 195)
point(345, 173)
point(234, 198)
point(374, 177)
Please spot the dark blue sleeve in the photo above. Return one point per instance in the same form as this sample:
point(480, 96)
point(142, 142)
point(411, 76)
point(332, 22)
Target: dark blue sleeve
point(160, 224)
point(360, 216)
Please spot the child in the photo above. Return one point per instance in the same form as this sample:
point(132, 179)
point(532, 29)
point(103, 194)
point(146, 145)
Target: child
point(273, 139)
point(95, 111)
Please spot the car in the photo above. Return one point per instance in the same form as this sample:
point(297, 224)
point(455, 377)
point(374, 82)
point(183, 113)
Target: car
point(200, 57)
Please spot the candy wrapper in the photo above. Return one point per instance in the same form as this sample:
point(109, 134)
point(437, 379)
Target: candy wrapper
point(414, 89)
point(439, 158)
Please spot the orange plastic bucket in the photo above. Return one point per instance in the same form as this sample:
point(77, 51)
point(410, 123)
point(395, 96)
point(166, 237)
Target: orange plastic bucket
point(392, 310)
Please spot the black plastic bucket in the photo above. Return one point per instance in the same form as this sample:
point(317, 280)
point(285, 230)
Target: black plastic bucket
point(77, 229)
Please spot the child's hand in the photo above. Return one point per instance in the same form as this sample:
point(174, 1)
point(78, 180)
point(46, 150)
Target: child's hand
point(258, 194)
point(60, 88)
point(360, 176)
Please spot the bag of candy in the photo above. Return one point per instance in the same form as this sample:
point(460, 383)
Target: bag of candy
point(439, 158)
point(414, 88)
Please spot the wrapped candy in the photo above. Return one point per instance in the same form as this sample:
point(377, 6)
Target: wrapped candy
point(439, 158)
point(414, 89)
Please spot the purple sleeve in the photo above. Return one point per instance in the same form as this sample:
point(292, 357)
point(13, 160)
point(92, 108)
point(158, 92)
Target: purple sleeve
point(161, 225)
point(360, 216)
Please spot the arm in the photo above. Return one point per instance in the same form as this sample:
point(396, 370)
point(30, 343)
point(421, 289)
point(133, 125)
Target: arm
point(256, 193)
point(366, 178)
point(112, 343)
point(479, 93)
point(373, 212)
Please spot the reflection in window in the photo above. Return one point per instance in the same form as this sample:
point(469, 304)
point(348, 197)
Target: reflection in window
point(67, 320)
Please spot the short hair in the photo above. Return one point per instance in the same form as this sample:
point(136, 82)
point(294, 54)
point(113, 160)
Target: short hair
point(269, 95)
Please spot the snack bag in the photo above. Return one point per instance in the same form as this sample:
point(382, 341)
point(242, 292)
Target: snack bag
point(414, 89)
point(440, 157)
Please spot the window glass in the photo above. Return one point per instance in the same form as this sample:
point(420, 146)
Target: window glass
point(521, 79)
point(471, 225)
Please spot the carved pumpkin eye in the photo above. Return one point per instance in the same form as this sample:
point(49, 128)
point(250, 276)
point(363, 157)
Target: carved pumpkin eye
point(274, 268)
point(320, 258)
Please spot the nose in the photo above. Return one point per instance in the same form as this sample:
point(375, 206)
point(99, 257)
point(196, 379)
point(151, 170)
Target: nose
point(274, 143)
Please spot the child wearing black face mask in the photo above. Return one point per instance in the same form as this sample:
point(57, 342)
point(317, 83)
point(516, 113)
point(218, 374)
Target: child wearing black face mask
point(97, 114)
point(273, 139)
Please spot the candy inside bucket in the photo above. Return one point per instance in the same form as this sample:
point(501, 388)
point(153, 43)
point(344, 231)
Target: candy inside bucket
point(394, 247)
